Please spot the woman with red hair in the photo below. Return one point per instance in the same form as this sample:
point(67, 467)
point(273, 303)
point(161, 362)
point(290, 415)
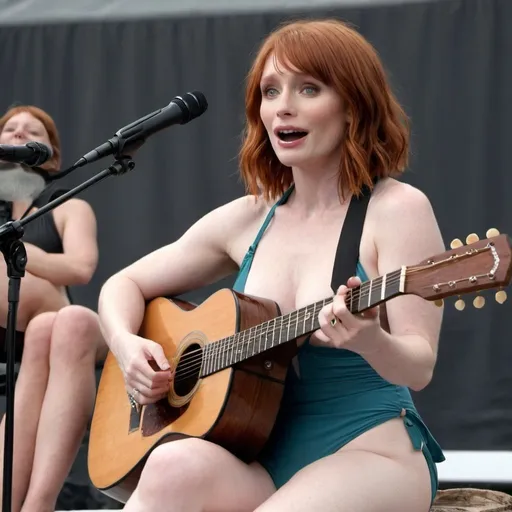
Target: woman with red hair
point(325, 141)
point(56, 342)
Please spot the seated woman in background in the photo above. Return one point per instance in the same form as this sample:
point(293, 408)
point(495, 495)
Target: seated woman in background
point(57, 343)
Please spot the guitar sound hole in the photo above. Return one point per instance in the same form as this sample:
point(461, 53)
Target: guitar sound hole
point(187, 371)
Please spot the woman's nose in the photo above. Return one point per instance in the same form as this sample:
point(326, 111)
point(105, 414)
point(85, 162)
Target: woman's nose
point(19, 134)
point(286, 107)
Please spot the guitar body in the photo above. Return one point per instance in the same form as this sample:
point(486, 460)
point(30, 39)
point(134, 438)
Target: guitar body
point(235, 408)
point(222, 391)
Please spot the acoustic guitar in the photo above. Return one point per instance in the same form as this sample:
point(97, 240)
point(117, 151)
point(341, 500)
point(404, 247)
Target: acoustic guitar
point(231, 353)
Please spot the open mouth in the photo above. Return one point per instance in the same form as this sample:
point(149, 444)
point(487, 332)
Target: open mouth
point(291, 135)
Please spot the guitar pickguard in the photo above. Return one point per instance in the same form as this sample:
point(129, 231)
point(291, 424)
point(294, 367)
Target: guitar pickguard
point(159, 415)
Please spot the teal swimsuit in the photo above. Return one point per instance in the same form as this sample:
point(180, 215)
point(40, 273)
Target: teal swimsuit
point(333, 398)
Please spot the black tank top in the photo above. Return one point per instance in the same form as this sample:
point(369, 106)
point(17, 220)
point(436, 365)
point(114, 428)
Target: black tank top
point(42, 232)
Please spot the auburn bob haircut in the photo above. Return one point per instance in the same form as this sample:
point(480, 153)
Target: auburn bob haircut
point(376, 140)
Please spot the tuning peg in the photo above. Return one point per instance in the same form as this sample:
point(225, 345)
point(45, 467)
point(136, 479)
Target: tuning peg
point(439, 303)
point(501, 296)
point(492, 232)
point(456, 243)
point(479, 302)
point(460, 305)
point(472, 238)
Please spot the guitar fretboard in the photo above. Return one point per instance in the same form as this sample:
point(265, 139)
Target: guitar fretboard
point(259, 338)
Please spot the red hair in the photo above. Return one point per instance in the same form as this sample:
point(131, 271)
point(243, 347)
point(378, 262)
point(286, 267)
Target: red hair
point(376, 141)
point(55, 162)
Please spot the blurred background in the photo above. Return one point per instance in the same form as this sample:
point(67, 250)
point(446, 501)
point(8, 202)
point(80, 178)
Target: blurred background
point(97, 65)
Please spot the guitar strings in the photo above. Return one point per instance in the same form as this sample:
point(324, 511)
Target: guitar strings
point(221, 348)
point(193, 360)
point(360, 292)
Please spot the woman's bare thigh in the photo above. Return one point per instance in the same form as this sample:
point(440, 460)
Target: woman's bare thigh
point(205, 475)
point(356, 481)
point(379, 471)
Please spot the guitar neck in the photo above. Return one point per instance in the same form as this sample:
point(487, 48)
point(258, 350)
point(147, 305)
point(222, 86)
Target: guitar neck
point(262, 337)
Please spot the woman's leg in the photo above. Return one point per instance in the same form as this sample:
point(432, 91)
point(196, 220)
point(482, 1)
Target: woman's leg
point(379, 471)
point(29, 395)
point(67, 405)
point(193, 475)
point(356, 481)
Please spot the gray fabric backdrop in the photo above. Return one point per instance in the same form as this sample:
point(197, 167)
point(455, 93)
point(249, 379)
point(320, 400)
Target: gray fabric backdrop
point(449, 62)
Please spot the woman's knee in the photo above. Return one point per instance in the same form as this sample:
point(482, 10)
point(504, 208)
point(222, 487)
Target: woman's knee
point(38, 336)
point(75, 333)
point(182, 464)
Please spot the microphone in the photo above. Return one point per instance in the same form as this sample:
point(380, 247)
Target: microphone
point(31, 154)
point(180, 110)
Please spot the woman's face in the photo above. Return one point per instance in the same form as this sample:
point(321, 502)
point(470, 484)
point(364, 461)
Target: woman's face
point(304, 118)
point(17, 182)
point(22, 128)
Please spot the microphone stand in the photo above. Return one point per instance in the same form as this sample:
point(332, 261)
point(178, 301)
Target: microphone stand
point(16, 258)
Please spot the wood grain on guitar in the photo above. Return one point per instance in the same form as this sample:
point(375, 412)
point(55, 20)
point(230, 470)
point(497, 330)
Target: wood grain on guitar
point(231, 355)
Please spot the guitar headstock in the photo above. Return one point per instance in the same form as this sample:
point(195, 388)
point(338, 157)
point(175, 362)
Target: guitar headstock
point(479, 265)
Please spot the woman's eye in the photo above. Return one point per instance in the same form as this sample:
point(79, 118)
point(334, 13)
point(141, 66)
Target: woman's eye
point(270, 91)
point(310, 89)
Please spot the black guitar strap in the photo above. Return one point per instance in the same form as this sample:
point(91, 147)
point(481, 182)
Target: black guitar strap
point(347, 253)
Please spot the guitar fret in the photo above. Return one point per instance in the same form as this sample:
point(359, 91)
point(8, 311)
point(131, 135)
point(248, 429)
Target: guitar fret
point(215, 355)
point(370, 295)
point(383, 287)
point(249, 341)
point(235, 347)
point(204, 361)
point(225, 349)
point(220, 353)
point(211, 357)
point(230, 349)
point(243, 346)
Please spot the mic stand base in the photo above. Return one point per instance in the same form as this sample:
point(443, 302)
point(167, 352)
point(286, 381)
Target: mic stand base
point(15, 256)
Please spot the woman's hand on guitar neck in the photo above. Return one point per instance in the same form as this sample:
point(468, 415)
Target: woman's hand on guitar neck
point(342, 329)
point(145, 368)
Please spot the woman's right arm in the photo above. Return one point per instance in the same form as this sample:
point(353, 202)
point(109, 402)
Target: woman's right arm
point(200, 257)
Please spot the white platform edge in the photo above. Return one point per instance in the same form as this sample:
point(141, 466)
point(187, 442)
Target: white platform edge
point(476, 466)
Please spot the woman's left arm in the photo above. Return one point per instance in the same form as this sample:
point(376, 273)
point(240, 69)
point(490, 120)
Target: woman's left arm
point(409, 234)
point(406, 233)
point(77, 264)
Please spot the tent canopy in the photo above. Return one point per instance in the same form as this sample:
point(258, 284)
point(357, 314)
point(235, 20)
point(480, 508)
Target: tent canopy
point(51, 11)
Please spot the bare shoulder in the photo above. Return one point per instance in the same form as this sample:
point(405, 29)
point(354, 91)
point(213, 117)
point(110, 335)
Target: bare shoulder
point(74, 207)
point(233, 219)
point(393, 198)
point(243, 210)
point(403, 223)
